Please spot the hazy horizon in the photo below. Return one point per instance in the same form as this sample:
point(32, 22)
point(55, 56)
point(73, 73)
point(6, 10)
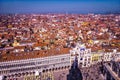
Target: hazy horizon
point(60, 6)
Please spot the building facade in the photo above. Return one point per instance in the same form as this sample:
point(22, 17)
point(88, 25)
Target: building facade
point(36, 65)
point(87, 58)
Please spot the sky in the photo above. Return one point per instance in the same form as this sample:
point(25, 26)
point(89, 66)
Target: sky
point(59, 6)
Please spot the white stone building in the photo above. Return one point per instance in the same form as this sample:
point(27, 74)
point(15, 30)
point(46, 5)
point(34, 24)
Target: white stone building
point(83, 55)
point(35, 64)
point(87, 58)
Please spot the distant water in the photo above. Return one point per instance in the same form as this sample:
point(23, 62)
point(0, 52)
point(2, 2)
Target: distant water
point(60, 6)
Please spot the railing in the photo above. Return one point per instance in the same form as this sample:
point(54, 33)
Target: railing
point(112, 72)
